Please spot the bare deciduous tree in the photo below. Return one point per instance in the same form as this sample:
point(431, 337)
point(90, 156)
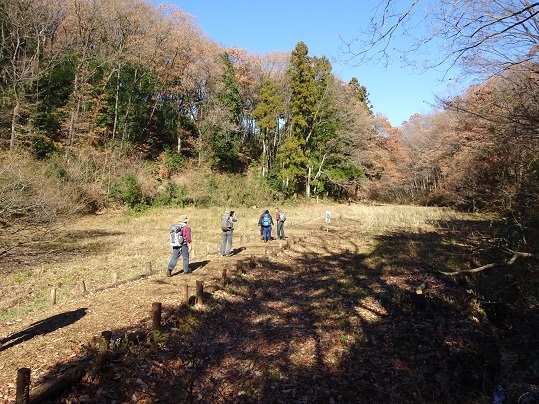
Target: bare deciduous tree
point(483, 36)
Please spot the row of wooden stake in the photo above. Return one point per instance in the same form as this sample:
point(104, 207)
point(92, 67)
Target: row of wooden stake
point(55, 387)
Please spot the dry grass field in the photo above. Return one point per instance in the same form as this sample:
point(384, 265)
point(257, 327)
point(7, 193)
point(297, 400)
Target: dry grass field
point(334, 303)
point(94, 248)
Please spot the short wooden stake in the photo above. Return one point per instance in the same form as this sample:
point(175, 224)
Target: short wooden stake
point(82, 286)
point(200, 292)
point(149, 267)
point(248, 238)
point(239, 266)
point(115, 278)
point(207, 250)
point(266, 252)
point(53, 296)
point(23, 386)
point(104, 343)
point(156, 316)
point(103, 348)
point(185, 294)
point(223, 277)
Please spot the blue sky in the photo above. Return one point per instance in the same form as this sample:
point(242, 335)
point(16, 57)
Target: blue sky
point(262, 26)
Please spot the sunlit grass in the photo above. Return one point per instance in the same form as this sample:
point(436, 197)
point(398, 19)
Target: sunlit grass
point(94, 248)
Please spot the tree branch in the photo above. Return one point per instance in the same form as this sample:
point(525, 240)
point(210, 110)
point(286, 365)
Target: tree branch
point(516, 254)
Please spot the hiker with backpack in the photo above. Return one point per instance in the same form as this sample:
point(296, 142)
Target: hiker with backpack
point(180, 241)
point(227, 226)
point(280, 217)
point(265, 222)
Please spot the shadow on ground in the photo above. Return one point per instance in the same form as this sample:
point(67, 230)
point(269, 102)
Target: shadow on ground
point(43, 327)
point(342, 323)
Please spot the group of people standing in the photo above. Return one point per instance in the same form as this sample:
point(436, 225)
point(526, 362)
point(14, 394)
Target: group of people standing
point(266, 225)
point(180, 235)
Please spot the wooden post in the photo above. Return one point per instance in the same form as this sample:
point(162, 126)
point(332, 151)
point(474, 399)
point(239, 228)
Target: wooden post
point(82, 286)
point(185, 294)
point(266, 252)
point(248, 238)
point(156, 316)
point(239, 266)
point(200, 292)
point(207, 250)
point(115, 278)
point(103, 348)
point(105, 340)
point(223, 277)
point(149, 267)
point(23, 386)
point(53, 296)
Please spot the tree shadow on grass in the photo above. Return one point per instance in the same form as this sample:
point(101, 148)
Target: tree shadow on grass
point(336, 325)
point(43, 327)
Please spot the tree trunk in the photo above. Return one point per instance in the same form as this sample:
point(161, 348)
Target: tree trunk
point(14, 122)
point(308, 186)
point(116, 97)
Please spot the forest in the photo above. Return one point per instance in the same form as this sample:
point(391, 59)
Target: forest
point(119, 113)
point(114, 101)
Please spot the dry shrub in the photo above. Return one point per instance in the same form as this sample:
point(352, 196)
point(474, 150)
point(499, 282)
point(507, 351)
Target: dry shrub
point(31, 192)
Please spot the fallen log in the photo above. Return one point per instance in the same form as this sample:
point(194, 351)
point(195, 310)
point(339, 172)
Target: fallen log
point(53, 388)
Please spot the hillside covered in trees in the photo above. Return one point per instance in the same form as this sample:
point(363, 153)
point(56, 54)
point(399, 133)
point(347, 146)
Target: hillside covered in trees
point(116, 101)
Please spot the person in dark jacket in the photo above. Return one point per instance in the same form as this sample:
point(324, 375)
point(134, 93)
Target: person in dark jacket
point(266, 222)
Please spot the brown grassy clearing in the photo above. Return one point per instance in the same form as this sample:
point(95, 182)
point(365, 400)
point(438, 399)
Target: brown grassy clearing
point(335, 307)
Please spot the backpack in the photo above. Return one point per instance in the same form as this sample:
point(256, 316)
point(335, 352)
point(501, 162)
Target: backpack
point(282, 217)
point(266, 221)
point(176, 235)
point(225, 223)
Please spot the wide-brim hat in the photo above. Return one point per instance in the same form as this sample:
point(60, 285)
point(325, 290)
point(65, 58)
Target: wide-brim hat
point(184, 219)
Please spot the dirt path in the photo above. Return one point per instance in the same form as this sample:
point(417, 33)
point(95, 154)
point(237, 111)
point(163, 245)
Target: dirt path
point(43, 339)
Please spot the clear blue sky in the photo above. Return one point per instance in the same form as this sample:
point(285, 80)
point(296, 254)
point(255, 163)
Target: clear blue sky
point(266, 26)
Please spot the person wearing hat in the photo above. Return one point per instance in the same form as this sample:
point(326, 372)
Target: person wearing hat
point(227, 226)
point(183, 249)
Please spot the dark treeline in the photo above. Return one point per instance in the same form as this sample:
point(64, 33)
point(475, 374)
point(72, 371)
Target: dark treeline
point(117, 100)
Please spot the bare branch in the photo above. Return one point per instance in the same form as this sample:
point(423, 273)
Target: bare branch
point(516, 254)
